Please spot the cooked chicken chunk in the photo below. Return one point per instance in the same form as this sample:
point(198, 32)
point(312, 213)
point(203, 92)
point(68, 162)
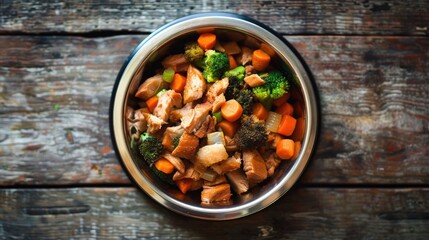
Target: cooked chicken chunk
point(177, 114)
point(154, 123)
point(230, 164)
point(187, 146)
point(271, 164)
point(206, 127)
point(177, 162)
point(192, 121)
point(218, 102)
point(195, 85)
point(216, 89)
point(238, 181)
point(231, 48)
point(177, 62)
point(189, 173)
point(246, 55)
point(211, 154)
point(166, 102)
point(254, 166)
point(254, 80)
point(218, 193)
point(151, 86)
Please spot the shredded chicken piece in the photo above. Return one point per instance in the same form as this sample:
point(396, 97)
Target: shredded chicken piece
point(230, 164)
point(177, 114)
point(175, 131)
point(218, 180)
point(192, 122)
point(230, 144)
point(177, 62)
point(190, 172)
point(206, 127)
point(231, 48)
point(246, 55)
point(238, 180)
point(254, 80)
point(187, 146)
point(216, 89)
point(177, 162)
point(217, 193)
point(218, 102)
point(249, 70)
point(272, 163)
point(151, 86)
point(254, 166)
point(211, 154)
point(166, 102)
point(195, 85)
point(154, 123)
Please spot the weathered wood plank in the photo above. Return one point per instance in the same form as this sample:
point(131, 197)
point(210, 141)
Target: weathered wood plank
point(54, 97)
point(303, 213)
point(288, 17)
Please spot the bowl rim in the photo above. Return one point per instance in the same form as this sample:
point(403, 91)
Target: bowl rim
point(185, 25)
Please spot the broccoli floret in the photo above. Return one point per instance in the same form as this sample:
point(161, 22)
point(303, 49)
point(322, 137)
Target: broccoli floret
point(234, 88)
point(238, 72)
point(216, 63)
point(245, 99)
point(150, 148)
point(193, 52)
point(275, 86)
point(251, 134)
point(167, 178)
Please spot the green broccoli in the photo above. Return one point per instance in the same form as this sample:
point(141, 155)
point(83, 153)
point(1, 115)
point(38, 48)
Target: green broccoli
point(251, 134)
point(167, 178)
point(245, 99)
point(150, 148)
point(275, 86)
point(216, 64)
point(238, 72)
point(193, 52)
point(234, 88)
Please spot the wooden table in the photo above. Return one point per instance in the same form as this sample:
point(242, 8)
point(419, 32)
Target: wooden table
point(60, 178)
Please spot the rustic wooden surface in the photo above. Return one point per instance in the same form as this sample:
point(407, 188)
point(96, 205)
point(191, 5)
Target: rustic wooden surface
point(369, 176)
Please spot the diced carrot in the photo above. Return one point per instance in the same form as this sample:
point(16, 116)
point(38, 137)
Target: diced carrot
point(167, 142)
point(260, 60)
point(207, 40)
point(232, 62)
point(151, 103)
point(285, 109)
point(287, 125)
point(184, 184)
point(280, 101)
point(164, 166)
point(178, 83)
point(231, 110)
point(296, 150)
point(228, 128)
point(260, 111)
point(298, 133)
point(267, 49)
point(285, 148)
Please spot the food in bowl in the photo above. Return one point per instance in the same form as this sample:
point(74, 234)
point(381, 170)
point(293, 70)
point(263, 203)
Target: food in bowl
point(129, 116)
point(218, 115)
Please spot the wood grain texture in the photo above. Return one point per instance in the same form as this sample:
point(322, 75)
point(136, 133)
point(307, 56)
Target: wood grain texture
point(288, 17)
point(55, 91)
point(309, 213)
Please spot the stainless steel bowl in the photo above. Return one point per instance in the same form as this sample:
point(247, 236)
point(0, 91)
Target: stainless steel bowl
point(157, 45)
